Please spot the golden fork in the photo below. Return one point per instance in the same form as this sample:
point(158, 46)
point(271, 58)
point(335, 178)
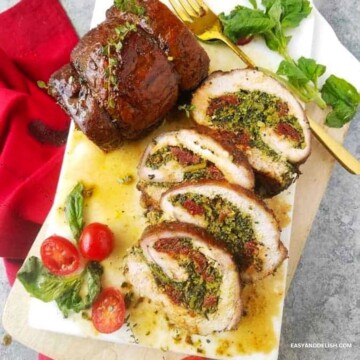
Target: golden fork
point(199, 18)
point(206, 25)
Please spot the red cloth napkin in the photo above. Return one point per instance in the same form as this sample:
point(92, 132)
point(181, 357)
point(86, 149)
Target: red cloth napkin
point(36, 38)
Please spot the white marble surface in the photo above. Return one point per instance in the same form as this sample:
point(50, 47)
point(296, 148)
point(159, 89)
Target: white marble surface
point(323, 304)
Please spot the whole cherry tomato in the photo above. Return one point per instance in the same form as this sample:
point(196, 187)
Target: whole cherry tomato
point(59, 255)
point(96, 242)
point(108, 311)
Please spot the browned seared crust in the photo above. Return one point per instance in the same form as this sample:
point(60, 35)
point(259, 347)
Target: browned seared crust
point(147, 84)
point(191, 229)
point(176, 40)
point(228, 143)
point(76, 99)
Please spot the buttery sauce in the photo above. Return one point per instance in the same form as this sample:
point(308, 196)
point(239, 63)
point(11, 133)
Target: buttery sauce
point(281, 209)
point(256, 333)
point(118, 205)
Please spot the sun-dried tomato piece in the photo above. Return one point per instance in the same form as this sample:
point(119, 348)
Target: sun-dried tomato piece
point(287, 130)
point(193, 208)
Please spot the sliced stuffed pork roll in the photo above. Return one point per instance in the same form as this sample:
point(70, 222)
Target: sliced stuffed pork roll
point(234, 216)
point(190, 155)
point(264, 119)
point(192, 278)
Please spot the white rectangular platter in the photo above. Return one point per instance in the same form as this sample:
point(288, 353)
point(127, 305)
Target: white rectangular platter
point(118, 206)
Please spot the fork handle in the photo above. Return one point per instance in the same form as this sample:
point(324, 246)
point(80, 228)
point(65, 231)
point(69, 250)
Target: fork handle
point(347, 160)
point(236, 50)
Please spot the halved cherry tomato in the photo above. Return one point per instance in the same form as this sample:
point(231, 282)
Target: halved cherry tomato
point(59, 255)
point(96, 242)
point(194, 358)
point(108, 311)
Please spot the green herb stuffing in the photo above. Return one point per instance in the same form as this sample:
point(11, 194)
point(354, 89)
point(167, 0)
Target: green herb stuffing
point(74, 205)
point(226, 223)
point(131, 6)
point(159, 158)
point(200, 169)
point(188, 108)
point(299, 76)
point(255, 110)
point(45, 286)
point(200, 286)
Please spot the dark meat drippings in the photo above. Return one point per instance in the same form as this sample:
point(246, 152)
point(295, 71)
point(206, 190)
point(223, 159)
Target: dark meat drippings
point(44, 134)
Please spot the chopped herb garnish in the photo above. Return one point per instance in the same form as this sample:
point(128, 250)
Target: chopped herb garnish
point(42, 84)
point(188, 108)
point(112, 50)
point(131, 6)
point(128, 179)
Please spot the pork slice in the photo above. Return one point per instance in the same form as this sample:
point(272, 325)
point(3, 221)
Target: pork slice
point(265, 247)
point(192, 149)
point(277, 170)
point(161, 246)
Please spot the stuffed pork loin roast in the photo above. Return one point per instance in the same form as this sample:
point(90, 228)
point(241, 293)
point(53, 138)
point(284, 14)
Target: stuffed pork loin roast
point(262, 118)
point(192, 278)
point(234, 216)
point(189, 155)
point(128, 72)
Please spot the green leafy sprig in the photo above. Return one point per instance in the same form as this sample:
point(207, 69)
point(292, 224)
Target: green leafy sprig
point(300, 76)
point(74, 206)
point(65, 290)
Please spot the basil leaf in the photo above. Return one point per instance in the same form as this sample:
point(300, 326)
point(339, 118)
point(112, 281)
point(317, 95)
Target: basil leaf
point(243, 22)
point(65, 290)
point(294, 11)
point(253, 3)
point(268, 4)
point(71, 300)
point(74, 210)
point(41, 283)
point(295, 75)
point(276, 39)
point(311, 69)
point(275, 11)
point(340, 115)
point(344, 99)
